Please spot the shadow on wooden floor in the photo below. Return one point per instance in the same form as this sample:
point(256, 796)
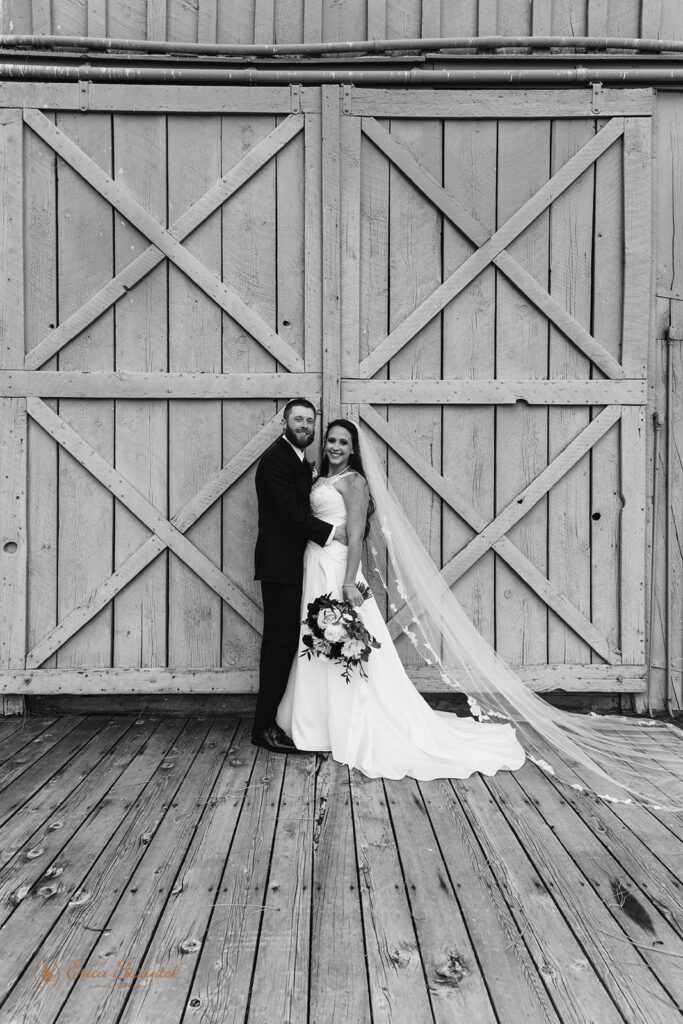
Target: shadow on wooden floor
point(160, 869)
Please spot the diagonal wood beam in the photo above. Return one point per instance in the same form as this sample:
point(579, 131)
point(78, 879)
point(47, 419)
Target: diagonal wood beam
point(477, 234)
point(485, 254)
point(153, 546)
point(138, 268)
point(135, 214)
point(518, 562)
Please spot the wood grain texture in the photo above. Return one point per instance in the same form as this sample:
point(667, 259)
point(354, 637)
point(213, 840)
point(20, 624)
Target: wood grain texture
point(13, 425)
point(415, 270)
point(141, 346)
point(521, 350)
point(136, 269)
point(637, 156)
point(498, 103)
point(632, 548)
point(85, 261)
point(152, 547)
point(339, 990)
point(331, 283)
point(571, 239)
point(180, 255)
point(250, 238)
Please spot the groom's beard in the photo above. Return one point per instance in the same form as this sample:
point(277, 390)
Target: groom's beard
point(301, 437)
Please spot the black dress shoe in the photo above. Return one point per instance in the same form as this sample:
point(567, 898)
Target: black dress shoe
point(275, 739)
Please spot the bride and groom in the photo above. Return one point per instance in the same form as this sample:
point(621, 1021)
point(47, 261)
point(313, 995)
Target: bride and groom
point(310, 537)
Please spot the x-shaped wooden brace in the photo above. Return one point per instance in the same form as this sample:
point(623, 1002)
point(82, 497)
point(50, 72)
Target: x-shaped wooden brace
point(492, 535)
point(165, 533)
point(491, 249)
point(166, 242)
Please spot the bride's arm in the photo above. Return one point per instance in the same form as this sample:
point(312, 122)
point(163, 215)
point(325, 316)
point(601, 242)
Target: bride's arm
point(355, 493)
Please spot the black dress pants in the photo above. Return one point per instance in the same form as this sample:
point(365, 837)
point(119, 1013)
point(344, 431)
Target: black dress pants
point(279, 646)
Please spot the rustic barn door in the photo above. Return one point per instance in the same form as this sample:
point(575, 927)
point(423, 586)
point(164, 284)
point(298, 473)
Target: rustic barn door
point(467, 272)
point(161, 301)
point(494, 318)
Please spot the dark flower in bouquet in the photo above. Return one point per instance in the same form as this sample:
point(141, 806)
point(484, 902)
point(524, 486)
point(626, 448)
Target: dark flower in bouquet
point(336, 632)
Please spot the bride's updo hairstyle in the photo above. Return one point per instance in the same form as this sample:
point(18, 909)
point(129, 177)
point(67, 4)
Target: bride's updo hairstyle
point(355, 461)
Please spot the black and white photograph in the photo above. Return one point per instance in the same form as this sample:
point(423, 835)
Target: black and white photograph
point(341, 512)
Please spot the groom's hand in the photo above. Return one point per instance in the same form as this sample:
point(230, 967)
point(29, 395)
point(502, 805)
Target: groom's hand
point(341, 535)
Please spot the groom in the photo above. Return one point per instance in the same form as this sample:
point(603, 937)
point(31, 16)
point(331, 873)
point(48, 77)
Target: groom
point(283, 486)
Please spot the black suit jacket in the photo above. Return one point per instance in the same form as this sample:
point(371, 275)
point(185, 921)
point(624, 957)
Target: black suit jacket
point(285, 523)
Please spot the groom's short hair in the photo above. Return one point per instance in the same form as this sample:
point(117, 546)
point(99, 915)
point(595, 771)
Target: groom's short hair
point(297, 401)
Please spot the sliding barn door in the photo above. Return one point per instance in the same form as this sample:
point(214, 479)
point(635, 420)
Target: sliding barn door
point(467, 272)
point(494, 275)
point(160, 268)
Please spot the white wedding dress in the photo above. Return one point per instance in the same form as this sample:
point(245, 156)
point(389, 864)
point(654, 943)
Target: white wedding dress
point(380, 725)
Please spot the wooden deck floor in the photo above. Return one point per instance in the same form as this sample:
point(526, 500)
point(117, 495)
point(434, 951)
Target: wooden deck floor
point(162, 870)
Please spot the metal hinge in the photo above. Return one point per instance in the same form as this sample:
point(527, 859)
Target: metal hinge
point(295, 94)
point(596, 100)
point(347, 99)
point(83, 95)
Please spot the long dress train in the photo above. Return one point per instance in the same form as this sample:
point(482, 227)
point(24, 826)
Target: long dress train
point(380, 725)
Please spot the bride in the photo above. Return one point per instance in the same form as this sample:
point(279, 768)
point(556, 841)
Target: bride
point(380, 725)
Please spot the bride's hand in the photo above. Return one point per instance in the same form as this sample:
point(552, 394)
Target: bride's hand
point(352, 594)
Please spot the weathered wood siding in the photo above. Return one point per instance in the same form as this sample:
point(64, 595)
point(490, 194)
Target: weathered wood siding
point(293, 21)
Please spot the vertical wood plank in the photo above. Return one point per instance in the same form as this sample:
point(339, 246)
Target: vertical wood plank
point(350, 243)
point(40, 241)
point(68, 19)
point(195, 434)
point(339, 990)
point(488, 18)
point(651, 20)
point(250, 263)
point(597, 17)
point(541, 17)
point(288, 21)
point(206, 21)
point(156, 19)
point(141, 345)
point(11, 239)
point(313, 259)
point(42, 17)
point(632, 550)
point(470, 157)
point(12, 540)
point(16, 17)
point(97, 17)
point(415, 271)
point(637, 243)
point(608, 259)
point(374, 277)
point(85, 259)
point(331, 361)
point(431, 19)
point(571, 238)
point(313, 21)
point(377, 19)
point(521, 352)
point(264, 21)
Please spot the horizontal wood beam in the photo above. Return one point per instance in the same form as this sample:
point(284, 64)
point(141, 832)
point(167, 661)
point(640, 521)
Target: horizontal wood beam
point(113, 681)
point(161, 99)
point(122, 384)
point(482, 103)
point(495, 392)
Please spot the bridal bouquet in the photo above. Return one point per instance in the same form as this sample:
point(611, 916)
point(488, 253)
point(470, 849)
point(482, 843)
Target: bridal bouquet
point(337, 633)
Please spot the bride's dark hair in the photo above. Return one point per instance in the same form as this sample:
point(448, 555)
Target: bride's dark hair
point(355, 461)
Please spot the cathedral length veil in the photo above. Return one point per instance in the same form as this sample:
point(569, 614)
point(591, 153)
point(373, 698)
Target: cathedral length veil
point(603, 755)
